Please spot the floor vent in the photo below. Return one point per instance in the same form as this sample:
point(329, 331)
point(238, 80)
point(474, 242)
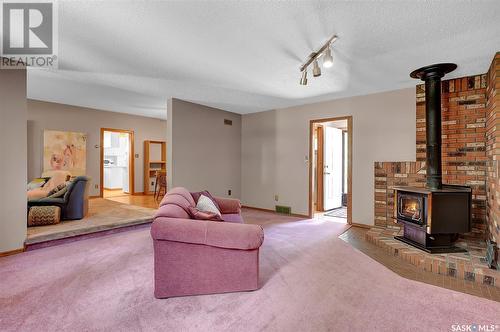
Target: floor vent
point(283, 209)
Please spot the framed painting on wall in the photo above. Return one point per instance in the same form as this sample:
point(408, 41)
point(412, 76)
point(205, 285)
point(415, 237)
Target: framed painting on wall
point(64, 150)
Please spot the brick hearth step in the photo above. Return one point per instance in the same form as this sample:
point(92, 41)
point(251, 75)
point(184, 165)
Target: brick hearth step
point(470, 266)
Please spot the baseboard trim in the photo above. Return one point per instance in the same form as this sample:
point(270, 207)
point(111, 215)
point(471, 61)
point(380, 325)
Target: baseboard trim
point(272, 211)
point(355, 224)
point(12, 252)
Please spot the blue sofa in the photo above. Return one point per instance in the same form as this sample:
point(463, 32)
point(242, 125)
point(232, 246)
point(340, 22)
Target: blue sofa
point(74, 204)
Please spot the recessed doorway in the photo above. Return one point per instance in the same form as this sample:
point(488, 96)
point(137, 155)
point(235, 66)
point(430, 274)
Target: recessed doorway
point(330, 171)
point(117, 166)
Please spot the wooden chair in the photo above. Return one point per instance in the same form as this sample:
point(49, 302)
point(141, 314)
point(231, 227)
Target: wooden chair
point(160, 184)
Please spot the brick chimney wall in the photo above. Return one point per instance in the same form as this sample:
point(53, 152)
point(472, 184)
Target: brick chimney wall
point(464, 152)
point(493, 149)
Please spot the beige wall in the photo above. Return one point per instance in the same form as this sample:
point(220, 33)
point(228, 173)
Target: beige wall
point(44, 115)
point(204, 153)
point(13, 159)
point(275, 148)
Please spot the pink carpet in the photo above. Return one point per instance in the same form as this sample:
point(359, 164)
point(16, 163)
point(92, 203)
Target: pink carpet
point(311, 281)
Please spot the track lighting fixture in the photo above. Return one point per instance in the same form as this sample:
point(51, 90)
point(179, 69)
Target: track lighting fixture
point(324, 51)
point(303, 79)
point(316, 69)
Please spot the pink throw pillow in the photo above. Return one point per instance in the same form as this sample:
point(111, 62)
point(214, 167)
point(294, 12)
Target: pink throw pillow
point(203, 215)
point(196, 197)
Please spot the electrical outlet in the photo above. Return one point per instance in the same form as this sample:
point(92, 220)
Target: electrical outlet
point(276, 197)
point(152, 183)
point(97, 186)
point(229, 192)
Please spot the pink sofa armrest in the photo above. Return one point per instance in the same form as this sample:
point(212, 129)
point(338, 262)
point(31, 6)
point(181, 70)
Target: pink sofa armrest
point(229, 205)
point(206, 232)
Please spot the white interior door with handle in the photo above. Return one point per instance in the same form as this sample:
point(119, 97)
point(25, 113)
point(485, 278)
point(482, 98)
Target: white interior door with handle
point(332, 173)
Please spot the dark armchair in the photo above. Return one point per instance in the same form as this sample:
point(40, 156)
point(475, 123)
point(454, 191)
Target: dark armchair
point(74, 204)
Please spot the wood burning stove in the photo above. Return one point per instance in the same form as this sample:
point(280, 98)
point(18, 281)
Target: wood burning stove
point(432, 217)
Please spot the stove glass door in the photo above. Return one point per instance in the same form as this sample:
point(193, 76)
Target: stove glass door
point(411, 207)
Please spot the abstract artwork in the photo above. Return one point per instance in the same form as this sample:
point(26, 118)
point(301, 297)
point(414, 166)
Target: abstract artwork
point(64, 150)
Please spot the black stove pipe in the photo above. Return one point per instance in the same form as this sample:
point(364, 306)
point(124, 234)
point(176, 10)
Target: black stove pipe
point(432, 75)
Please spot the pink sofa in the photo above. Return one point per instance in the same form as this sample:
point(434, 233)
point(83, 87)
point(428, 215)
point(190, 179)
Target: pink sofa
point(193, 257)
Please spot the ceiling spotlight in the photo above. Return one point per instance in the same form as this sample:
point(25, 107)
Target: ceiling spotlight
point(303, 79)
point(316, 69)
point(327, 58)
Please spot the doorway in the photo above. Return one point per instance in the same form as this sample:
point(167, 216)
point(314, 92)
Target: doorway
point(117, 163)
point(330, 171)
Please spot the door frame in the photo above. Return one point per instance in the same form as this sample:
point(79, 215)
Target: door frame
point(320, 131)
point(349, 162)
point(131, 159)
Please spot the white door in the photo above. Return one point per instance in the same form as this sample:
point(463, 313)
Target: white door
point(332, 172)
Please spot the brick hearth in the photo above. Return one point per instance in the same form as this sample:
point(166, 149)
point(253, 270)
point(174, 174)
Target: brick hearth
point(469, 266)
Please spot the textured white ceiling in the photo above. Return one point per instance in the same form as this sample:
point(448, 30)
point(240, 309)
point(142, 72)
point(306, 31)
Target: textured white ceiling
point(131, 56)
